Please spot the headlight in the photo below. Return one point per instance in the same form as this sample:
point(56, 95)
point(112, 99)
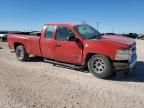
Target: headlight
point(123, 54)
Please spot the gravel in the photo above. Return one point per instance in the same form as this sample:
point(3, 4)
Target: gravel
point(36, 84)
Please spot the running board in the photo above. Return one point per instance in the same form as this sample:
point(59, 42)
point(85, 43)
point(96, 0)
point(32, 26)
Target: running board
point(64, 64)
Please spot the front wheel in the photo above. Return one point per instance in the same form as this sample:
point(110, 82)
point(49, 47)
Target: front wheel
point(21, 53)
point(100, 66)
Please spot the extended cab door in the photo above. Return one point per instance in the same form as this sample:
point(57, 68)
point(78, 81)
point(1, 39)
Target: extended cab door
point(67, 51)
point(48, 42)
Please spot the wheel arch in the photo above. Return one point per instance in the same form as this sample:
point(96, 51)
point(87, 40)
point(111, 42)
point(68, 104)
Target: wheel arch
point(89, 55)
point(16, 44)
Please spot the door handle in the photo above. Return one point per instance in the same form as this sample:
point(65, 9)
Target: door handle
point(57, 45)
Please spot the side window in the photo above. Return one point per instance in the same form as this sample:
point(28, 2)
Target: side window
point(62, 33)
point(50, 32)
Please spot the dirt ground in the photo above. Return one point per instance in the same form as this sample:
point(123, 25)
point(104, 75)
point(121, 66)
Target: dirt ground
point(36, 84)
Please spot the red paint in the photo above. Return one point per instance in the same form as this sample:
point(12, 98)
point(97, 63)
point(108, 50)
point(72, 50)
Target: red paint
point(70, 51)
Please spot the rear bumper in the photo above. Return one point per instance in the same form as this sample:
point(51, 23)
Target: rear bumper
point(120, 65)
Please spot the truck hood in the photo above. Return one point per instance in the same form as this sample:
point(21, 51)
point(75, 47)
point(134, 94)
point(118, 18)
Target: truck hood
point(118, 40)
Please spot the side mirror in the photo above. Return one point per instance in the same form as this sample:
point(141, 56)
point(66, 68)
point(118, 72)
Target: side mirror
point(72, 38)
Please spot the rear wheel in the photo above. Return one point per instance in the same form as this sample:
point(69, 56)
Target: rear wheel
point(100, 66)
point(21, 53)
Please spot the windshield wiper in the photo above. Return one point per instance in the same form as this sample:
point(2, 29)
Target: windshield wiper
point(95, 37)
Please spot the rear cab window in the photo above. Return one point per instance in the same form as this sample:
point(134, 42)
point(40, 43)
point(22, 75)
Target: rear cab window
point(50, 32)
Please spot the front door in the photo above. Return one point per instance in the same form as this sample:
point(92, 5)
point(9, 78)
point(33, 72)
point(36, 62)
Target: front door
point(67, 51)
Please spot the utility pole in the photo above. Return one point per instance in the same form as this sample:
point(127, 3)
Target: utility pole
point(97, 26)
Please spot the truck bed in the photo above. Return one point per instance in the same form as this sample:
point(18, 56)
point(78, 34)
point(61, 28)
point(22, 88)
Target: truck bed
point(30, 40)
point(33, 33)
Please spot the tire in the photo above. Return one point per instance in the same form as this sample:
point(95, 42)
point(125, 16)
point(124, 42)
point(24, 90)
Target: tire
point(100, 66)
point(21, 53)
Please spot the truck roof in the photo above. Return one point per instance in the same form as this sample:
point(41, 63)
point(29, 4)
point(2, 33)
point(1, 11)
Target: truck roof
point(63, 24)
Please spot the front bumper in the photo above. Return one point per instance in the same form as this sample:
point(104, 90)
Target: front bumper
point(124, 65)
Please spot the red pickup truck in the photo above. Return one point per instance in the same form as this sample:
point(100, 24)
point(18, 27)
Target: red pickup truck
point(78, 46)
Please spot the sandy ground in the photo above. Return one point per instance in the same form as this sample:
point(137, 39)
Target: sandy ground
point(36, 84)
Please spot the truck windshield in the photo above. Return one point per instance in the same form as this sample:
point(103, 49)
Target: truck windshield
point(88, 32)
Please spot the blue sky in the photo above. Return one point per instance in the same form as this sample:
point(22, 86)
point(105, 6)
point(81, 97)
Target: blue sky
point(120, 15)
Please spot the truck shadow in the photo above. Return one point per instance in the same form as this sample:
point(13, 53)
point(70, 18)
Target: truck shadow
point(136, 76)
point(85, 70)
point(40, 59)
point(35, 59)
